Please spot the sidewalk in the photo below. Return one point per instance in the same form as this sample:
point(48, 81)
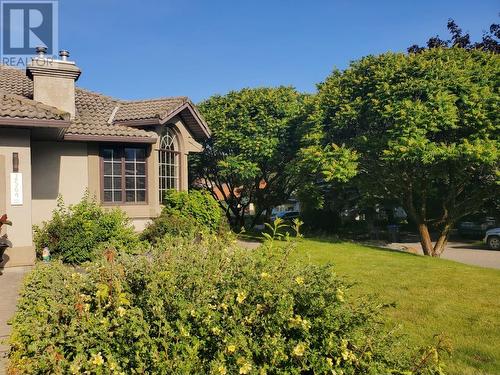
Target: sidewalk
point(459, 251)
point(10, 281)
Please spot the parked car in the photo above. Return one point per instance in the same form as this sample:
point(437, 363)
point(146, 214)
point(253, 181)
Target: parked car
point(469, 229)
point(286, 216)
point(492, 238)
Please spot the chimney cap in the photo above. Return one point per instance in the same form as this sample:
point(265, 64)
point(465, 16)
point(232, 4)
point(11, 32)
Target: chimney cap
point(41, 51)
point(64, 54)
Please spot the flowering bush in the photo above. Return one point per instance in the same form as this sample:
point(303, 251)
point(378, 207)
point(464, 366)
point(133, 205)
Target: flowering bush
point(200, 308)
point(74, 233)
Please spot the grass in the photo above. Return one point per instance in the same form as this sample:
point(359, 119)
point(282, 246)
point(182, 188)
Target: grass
point(432, 296)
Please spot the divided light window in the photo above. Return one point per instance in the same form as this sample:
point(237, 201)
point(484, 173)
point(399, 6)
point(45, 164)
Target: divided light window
point(124, 174)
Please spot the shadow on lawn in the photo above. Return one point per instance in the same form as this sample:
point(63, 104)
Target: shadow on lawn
point(379, 246)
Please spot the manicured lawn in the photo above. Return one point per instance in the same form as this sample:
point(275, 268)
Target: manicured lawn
point(432, 296)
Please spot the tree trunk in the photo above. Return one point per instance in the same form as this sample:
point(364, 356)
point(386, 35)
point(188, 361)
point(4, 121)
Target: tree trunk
point(425, 239)
point(442, 240)
point(256, 218)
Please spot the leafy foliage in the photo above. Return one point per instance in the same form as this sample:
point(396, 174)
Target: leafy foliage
point(185, 214)
point(196, 204)
point(426, 129)
point(263, 148)
point(489, 42)
point(201, 308)
point(74, 233)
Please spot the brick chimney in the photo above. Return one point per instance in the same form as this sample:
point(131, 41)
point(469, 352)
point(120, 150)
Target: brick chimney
point(54, 80)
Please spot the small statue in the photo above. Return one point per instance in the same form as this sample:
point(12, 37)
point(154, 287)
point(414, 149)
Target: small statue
point(46, 254)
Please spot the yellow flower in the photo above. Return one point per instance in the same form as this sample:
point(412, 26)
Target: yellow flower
point(75, 368)
point(241, 297)
point(184, 332)
point(216, 330)
point(299, 280)
point(340, 295)
point(245, 366)
point(86, 307)
point(222, 370)
point(97, 359)
point(223, 306)
point(121, 311)
point(265, 275)
point(330, 362)
point(231, 349)
point(298, 322)
point(299, 350)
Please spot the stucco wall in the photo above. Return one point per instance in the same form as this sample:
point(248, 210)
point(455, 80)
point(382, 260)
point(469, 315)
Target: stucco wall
point(20, 233)
point(58, 168)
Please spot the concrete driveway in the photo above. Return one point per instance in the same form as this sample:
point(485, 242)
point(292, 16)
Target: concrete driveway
point(463, 252)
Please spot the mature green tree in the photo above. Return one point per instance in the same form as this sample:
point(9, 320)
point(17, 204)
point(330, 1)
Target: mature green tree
point(264, 147)
point(254, 140)
point(426, 127)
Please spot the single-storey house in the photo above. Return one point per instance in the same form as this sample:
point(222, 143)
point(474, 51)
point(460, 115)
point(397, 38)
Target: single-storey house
point(60, 140)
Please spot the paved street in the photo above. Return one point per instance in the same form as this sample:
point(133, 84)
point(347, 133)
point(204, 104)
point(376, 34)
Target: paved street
point(463, 252)
point(11, 281)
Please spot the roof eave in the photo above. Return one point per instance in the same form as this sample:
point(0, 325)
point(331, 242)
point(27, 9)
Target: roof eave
point(34, 123)
point(109, 138)
point(188, 106)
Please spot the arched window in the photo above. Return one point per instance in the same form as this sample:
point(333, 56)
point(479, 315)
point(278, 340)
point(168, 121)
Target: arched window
point(169, 162)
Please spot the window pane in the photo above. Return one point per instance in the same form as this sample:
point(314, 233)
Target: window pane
point(107, 183)
point(141, 183)
point(129, 169)
point(108, 168)
point(130, 196)
point(130, 153)
point(118, 196)
point(130, 183)
point(117, 168)
point(141, 169)
point(108, 196)
point(141, 195)
point(117, 183)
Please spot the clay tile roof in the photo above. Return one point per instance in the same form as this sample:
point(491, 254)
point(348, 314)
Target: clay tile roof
point(100, 115)
point(14, 81)
point(148, 109)
point(15, 106)
point(93, 114)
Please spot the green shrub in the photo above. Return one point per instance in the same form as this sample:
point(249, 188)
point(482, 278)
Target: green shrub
point(170, 224)
point(185, 214)
point(200, 308)
point(75, 232)
point(196, 204)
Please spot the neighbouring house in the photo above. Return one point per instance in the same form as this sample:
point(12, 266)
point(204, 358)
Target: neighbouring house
point(58, 139)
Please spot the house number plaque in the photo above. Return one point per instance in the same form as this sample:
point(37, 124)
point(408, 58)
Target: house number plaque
point(16, 189)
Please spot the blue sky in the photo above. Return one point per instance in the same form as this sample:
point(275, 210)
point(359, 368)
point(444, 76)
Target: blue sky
point(145, 49)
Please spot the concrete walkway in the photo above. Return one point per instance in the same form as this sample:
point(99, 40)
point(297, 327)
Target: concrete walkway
point(10, 281)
